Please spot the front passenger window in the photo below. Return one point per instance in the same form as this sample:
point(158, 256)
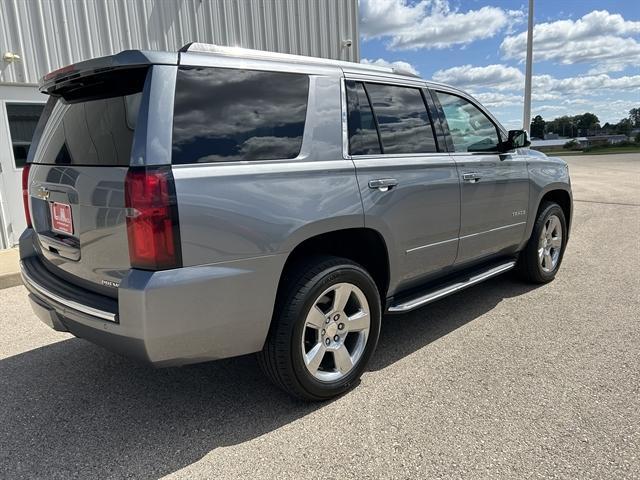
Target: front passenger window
point(470, 129)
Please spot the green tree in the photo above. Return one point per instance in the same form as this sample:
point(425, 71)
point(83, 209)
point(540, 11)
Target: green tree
point(586, 122)
point(634, 116)
point(562, 126)
point(624, 126)
point(537, 127)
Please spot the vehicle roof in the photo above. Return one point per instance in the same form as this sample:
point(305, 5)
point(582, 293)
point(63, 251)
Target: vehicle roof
point(345, 66)
point(128, 58)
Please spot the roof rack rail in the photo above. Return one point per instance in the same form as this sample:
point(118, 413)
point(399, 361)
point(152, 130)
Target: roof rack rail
point(209, 48)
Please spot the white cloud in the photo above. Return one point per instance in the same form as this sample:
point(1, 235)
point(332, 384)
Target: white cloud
point(499, 99)
point(430, 23)
point(607, 111)
point(512, 123)
point(501, 86)
point(505, 78)
point(500, 77)
point(578, 85)
point(396, 64)
point(496, 99)
point(382, 17)
point(599, 37)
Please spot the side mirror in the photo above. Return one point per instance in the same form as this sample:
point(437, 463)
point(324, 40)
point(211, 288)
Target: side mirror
point(517, 139)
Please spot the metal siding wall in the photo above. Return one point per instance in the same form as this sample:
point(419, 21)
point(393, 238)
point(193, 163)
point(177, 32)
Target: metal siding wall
point(48, 34)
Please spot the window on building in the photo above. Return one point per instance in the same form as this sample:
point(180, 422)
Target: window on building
point(402, 118)
point(23, 118)
point(470, 129)
point(224, 114)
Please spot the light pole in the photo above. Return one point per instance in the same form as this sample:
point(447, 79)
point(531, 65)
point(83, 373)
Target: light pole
point(526, 121)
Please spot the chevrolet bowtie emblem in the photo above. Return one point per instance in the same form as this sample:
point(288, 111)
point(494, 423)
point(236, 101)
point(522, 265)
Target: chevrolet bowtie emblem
point(42, 193)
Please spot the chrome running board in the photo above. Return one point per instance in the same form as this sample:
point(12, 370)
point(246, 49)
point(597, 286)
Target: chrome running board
point(442, 291)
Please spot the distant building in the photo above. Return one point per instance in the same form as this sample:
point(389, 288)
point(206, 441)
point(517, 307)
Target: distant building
point(606, 139)
point(552, 144)
point(556, 143)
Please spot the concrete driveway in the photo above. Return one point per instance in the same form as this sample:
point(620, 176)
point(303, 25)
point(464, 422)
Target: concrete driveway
point(504, 380)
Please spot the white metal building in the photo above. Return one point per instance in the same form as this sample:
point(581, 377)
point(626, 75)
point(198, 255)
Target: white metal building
point(38, 36)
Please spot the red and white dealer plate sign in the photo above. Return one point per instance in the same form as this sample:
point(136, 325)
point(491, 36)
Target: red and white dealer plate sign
point(61, 220)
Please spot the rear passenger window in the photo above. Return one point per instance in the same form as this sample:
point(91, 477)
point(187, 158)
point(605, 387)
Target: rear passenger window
point(223, 115)
point(363, 135)
point(402, 117)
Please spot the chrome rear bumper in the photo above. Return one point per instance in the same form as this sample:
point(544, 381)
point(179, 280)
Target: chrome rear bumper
point(40, 290)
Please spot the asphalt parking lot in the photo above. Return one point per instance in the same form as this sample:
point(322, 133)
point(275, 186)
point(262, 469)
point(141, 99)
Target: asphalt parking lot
point(503, 380)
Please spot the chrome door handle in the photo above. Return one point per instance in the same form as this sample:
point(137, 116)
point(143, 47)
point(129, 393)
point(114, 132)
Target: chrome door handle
point(383, 184)
point(471, 177)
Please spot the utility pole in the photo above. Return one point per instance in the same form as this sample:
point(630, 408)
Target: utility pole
point(526, 121)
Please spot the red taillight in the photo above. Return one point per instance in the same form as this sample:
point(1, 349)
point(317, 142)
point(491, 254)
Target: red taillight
point(152, 219)
point(25, 193)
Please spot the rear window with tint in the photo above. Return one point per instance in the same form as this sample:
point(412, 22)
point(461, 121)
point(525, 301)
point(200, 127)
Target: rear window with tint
point(223, 115)
point(95, 124)
point(363, 134)
point(403, 119)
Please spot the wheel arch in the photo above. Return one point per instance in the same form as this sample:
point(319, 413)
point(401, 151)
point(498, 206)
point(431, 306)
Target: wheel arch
point(362, 245)
point(559, 193)
point(562, 197)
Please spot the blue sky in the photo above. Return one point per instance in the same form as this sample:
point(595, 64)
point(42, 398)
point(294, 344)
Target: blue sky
point(586, 53)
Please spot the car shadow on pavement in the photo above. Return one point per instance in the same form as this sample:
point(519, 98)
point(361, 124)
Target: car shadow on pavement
point(403, 334)
point(73, 409)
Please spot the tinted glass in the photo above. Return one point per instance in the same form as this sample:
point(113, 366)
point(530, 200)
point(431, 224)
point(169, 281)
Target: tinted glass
point(402, 119)
point(23, 118)
point(93, 122)
point(226, 114)
point(363, 135)
point(98, 132)
point(470, 129)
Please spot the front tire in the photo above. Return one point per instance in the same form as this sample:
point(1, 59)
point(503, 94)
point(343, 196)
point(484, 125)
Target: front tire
point(324, 330)
point(540, 260)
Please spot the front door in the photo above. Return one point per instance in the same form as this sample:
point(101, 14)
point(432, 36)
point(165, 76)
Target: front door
point(409, 188)
point(494, 187)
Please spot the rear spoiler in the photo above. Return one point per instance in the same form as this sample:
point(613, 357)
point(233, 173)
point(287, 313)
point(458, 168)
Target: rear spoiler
point(54, 82)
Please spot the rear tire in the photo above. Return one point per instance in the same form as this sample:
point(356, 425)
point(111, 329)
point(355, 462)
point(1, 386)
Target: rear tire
point(324, 329)
point(541, 258)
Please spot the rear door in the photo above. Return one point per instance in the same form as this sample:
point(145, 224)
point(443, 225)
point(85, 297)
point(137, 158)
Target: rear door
point(409, 186)
point(76, 182)
point(494, 186)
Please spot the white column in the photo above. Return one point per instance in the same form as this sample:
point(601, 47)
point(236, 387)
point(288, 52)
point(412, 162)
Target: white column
point(526, 120)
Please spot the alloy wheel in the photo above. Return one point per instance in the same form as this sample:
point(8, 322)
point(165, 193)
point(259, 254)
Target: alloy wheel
point(550, 244)
point(335, 332)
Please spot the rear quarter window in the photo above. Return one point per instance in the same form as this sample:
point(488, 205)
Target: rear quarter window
point(223, 115)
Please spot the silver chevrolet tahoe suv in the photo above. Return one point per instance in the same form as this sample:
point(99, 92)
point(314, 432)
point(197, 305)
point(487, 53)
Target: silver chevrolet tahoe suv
point(214, 202)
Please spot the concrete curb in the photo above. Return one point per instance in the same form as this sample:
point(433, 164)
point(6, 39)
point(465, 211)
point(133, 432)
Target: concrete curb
point(8, 280)
point(9, 268)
